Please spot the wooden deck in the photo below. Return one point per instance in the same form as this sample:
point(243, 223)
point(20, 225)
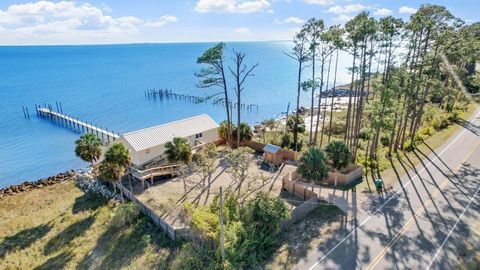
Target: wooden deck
point(155, 171)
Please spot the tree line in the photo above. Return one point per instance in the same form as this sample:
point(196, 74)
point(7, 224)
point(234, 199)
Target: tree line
point(398, 70)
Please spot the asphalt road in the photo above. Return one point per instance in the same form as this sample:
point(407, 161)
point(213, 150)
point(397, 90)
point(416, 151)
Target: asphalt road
point(422, 223)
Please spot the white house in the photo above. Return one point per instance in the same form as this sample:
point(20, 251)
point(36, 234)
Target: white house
point(148, 145)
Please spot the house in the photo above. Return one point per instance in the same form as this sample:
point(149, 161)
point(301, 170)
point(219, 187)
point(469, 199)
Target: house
point(148, 145)
point(272, 154)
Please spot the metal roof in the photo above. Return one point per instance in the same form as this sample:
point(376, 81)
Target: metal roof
point(270, 148)
point(158, 135)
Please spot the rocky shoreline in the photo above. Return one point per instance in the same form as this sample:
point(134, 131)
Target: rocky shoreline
point(25, 186)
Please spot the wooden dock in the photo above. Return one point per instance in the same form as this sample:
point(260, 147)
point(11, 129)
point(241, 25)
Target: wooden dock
point(75, 123)
point(169, 93)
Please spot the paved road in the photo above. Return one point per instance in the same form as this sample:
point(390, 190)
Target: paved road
point(421, 223)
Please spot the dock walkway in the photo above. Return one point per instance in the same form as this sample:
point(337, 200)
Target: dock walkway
point(75, 123)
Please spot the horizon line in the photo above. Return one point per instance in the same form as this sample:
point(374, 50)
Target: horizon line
point(139, 43)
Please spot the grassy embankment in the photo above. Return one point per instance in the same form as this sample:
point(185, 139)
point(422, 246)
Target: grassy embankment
point(61, 227)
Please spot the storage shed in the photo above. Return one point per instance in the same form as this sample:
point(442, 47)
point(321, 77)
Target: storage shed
point(272, 154)
point(148, 145)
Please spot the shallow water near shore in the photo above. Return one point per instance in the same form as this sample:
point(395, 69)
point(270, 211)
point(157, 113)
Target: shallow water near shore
point(105, 85)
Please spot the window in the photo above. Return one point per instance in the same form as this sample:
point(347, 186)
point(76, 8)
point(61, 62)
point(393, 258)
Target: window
point(198, 135)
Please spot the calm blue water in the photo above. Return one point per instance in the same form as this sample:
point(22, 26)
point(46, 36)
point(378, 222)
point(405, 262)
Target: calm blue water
point(105, 85)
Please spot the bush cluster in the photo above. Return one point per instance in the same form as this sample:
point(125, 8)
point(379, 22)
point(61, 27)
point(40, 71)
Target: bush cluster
point(126, 214)
point(250, 231)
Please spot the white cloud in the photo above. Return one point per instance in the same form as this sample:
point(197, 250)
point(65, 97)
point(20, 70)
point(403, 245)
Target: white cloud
point(382, 12)
point(346, 9)
point(406, 10)
point(342, 18)
point(162, 21)
point(289, 20)
point(242, 30)
point(68, 22)
point(320, 2)
point(232, 6)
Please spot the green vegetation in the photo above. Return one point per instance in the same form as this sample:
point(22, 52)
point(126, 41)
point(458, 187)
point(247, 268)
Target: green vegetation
point(117, 159)
point(214, 75)
point(313, 166)
point(88, 148)
point(396, 102)
point(61, 227)
point(180, 151)
point(339, 156)
point(250, 233)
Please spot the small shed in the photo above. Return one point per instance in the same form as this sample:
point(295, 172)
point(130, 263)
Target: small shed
point(272, 154)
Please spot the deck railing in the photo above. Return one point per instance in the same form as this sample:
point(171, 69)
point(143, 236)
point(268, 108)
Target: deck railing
point(155, 171)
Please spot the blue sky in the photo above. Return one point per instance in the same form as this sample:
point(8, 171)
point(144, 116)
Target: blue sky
point(122, 21)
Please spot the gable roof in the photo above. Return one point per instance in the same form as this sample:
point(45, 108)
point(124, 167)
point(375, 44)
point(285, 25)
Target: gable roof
point(158, 135)
point(270, 148)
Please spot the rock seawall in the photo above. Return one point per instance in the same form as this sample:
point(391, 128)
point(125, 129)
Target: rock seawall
point(25, 186)
point(86, 182)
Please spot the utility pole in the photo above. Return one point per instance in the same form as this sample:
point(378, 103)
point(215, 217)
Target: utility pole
point(222, 239)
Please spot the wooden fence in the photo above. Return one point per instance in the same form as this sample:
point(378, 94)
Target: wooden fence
point(311, 198)
point(287, 154)
point(351, 174)
point(174, 234)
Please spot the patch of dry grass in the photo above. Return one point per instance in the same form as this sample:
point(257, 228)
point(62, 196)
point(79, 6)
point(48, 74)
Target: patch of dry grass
point(61, 227)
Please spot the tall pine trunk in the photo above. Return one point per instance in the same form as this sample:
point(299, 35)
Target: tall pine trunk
point(333, 98)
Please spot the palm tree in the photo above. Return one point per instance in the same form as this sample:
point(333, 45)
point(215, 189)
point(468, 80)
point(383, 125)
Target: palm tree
point(313, 165)
point(179, 151)
point(339, 156)
point(117, 159)
point(88, 148)
point(245, 132)
point(223, 130)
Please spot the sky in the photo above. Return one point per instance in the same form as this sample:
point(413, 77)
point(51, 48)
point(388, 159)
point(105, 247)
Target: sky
point(159, 21)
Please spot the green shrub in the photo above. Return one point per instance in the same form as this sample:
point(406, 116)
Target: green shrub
point(454, 116)
point(419, 137)
point(368, 162)
point(409, 145)
point(125, 215)
point(428, 131)
point(440, 123)
point(338, 127)
point(194, 256)
point(364, 134)
point(286, 140)
point(385, 140)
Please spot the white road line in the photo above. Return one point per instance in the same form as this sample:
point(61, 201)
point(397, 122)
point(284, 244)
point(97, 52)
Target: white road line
point(451, 231)
point(398, 191)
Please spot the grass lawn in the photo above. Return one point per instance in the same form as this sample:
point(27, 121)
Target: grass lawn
point(61, 227)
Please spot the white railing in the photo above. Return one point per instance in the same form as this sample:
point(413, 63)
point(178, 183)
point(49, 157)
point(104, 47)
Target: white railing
point(155, 171)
